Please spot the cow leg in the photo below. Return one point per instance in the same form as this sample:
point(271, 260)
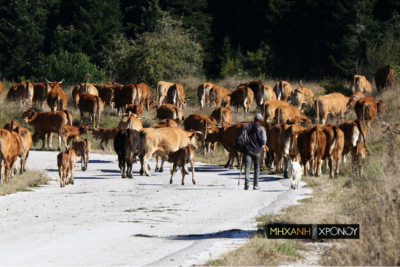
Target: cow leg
point(22, 160)
point(146, 159)
point(331, 167)
point(60, 174)
point(101, 144)
point(82, 163)
point(129, 165)
point(183, 171)
point(49, 139)
point(2, 175)
point(81, 116)
point(172, 172)
point(191, 161)
point(71, 180)
point(163, 159)
point(286, 160)
point(123, 163)
point(94, 120)
point(158, 158)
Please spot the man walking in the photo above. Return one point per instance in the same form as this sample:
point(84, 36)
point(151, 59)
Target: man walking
point(257, 138)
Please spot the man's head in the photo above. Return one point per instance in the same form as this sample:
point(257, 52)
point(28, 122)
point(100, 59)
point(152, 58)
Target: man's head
point(258, 117)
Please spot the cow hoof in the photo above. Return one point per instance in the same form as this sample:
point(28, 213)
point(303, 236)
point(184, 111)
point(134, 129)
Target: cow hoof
point(194, 182)
point(123, 176)
point(170, 181)
point(148, 167)
point(156, 169)
point(130, 176)
point(148, 174)
point(186, 172)
point(285, 174)
point(141, 172)
point(183, 183)
point(161, 170)
point(102, 148)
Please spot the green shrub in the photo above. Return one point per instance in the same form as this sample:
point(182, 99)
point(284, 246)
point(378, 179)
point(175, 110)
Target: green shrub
point(72, 67)
point(334, 86)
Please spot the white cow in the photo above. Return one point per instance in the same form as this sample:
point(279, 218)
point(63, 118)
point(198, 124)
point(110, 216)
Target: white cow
point(295, 172)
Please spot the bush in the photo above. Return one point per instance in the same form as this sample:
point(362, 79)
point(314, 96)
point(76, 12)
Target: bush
point(72, 67)
point(167, 52)
point(334, 86)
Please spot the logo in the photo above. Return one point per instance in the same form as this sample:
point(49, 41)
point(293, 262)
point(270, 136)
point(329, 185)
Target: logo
point(313, 231)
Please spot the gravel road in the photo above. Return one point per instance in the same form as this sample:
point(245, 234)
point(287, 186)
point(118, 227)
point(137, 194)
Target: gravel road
point(106, 220)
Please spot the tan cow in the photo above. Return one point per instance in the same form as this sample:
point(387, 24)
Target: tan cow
point(219, 96)
point(70, 132)
point(135, 109)
point(40, 92)
point(243, 96)
point(360, 83)
point(269, 107)
point(105, 134)
point(56, 99)
point(47, 123)
point(198, 122)
point(8, 145)
point(82, 149)
point(15, 152)
point(89, 88)
point(291, 115)
point(385, 77)
point(130, 122)
point(176, 96)
point(162, 89)
point(66, 162)
point(353, 134)
point(222, 114)
point(162, 141)
point(26, 142)
point(22, 91)
point(144, 96)
point(334, 146)
point(301, 97)
point(180, 158)
point(286, 144)
point(334, 104)
point(168, 111)
point(284, 91)
point(203, 92)
point(91, 104)
point(357, 156)
point(269, 94)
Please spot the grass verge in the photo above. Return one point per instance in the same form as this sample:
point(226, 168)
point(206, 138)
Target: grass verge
point(24, 182)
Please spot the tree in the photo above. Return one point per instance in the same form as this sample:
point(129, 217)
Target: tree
point(167, 52)
point(21, 36)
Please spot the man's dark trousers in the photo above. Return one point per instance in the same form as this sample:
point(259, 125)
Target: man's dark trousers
point(247, 157)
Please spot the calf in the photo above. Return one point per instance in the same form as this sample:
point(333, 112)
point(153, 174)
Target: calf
point(82, 149)
point(126, 144)
point(180, 158)
point(69, 133)
point(105, 134)
point(130, 122)
point(358, 156)
point(135, 109)
point(295, 172)
point(66, 162)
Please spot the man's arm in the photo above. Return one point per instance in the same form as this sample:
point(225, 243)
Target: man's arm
point(263, 136)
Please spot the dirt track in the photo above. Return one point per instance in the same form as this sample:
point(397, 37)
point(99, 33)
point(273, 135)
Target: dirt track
point(106, 220)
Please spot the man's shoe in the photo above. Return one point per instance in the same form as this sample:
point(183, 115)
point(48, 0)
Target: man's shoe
point(256, 187)
point(246, 187)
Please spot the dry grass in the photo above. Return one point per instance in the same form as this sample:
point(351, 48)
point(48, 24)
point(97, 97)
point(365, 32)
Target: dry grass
point(24, 182)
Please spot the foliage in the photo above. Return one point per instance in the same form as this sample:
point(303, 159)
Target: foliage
point(72, 67)
point(167, 52)
point(335, 86)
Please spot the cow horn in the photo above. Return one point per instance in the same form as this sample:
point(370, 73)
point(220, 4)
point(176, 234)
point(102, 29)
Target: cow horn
point(48, 81)
point(198, 132)
point(61, 81)
point(142, 117)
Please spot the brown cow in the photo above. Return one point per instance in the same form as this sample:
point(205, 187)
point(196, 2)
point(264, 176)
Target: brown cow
point(274, 146)
point(284, 91)
point(15, 152)
point(334, 104)
point(130, 122)
point(125, 95)
point(47, 123)
point(176, 96)
point(66, 162)
point(180, 158)
point(105, 134)
point(243, 96)
point(166, 123)
point(127, 144)
point(89, 88)
point(162, 141)
point(199, 122)
point(385, 77)
point(291, 115)
point(106, 93)
point(91, 104)
point(82, 149)
point(269, 107)
point(334, 146)
point(26, 142)
point(357, 156)
point(203, 94)
point(40, 92)
point(258, 87)
point(269, 94)
point(56, 99)
point(222, 114)
point(168, 111)
point(360, 83)
point(135, 109)
point(366, 110)
point(286, 144)
point(219, 96)
point(21, 91)
point(162, 90)
point(311, 143)
point(353, 134)
point(70, 132)
point(301, 97)
point(144, 96)
point(7, 146)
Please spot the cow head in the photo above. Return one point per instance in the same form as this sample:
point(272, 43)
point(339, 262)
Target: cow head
point(29, 114)
point(380, 104)
point(55, 83)
point(352, 101)
point(84, 129)
point(150, 104)
point(194, 135)
point(96, 132)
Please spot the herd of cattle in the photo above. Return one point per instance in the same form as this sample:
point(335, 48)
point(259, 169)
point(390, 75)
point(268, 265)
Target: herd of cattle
point(293, 137)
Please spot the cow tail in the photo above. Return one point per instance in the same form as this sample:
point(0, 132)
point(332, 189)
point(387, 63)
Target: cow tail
point(58, 102)
point(220, 117)
point(277, 117)
point(157, 91)
point(361, 129)
point(336, 136)
point(363, 113)
point(99, 106)
point(316, 105)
